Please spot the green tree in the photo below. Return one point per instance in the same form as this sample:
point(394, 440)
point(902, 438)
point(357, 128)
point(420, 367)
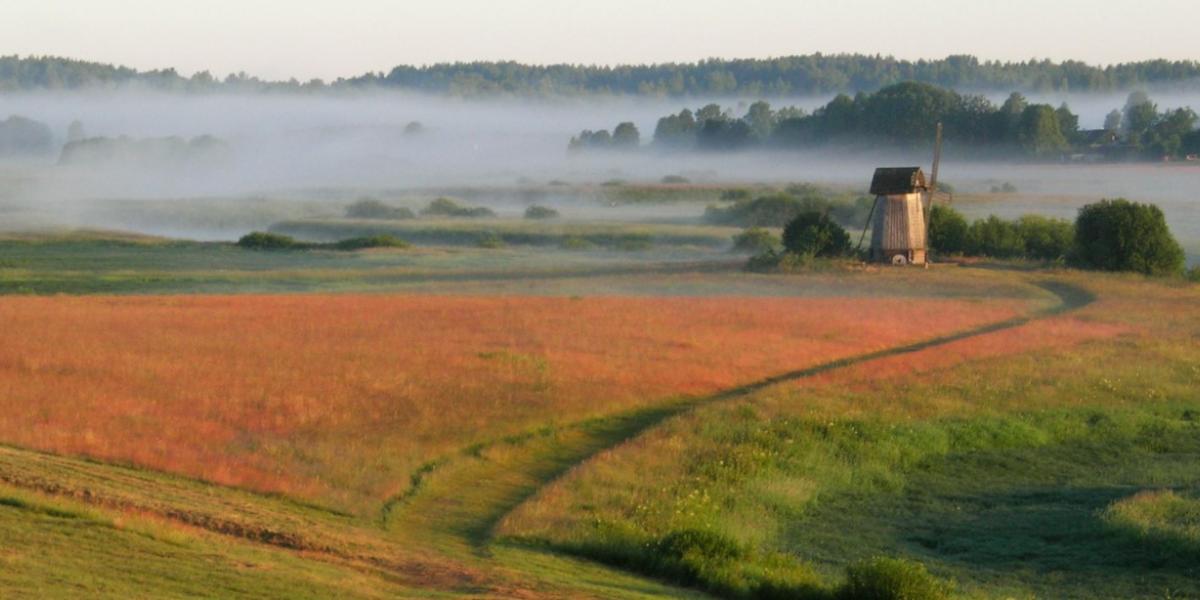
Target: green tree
point(1008, 119)
point(626, 136)
point(1039, 133)
point(1068, 123)
point(1139, 115)
point(1112, 122)
point(709, 112)
point(761, 119)
point(813, 233)
point(1119, 235)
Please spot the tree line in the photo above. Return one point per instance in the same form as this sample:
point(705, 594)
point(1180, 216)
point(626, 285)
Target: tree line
point(770, 77)
point(905, 115)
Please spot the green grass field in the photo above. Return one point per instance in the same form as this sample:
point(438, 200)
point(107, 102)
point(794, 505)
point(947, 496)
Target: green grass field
point(1049, 455)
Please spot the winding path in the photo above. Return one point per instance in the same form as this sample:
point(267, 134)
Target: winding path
point(455, 502)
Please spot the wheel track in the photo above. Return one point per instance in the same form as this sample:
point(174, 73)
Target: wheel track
point(456, 501)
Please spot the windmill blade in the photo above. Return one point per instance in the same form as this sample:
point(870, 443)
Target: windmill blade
point(870, 216)
point(933, 177)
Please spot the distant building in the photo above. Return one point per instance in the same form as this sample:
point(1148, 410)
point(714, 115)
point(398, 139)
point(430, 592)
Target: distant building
point(898, 222)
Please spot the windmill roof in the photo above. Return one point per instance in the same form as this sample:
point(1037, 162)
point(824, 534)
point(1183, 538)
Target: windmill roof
point(897, 180)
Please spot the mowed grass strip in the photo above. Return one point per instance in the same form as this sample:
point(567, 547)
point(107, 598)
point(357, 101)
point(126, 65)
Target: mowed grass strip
point(337, 399)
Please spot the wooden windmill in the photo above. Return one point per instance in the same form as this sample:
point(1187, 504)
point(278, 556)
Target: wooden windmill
point(899, 219)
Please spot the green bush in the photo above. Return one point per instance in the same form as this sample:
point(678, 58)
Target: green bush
point(947, 230)
point(1193, 274)
point(490, 239)
point(1119, 235)
point(776, 210)
point(884, 578)
point(994, 237)
point(675, 179)
point(370, 208)
point(445, 207)
point(756, 240)
point(540, 212)
point(1046, 238)
point(815, 234)
point(374, 241)
point(261, 240)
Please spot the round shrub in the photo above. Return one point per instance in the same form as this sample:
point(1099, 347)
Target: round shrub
point(1119, 235)
point(815, 234)
point(755, 240)
point(261, 240)
point(540, 212)
point(947, 230)
point(370, 208)
point(373, 241)
point(884, 578)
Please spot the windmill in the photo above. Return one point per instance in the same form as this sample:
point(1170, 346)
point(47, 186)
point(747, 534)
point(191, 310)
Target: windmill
point(899, 219)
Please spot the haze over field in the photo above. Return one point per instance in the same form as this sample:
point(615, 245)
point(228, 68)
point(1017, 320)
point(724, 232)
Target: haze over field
point(329, 147)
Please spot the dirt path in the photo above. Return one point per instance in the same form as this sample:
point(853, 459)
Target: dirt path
point(455, 502)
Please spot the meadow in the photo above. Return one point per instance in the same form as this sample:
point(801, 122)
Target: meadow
point(519, 422)
point(1055, 459)
point(390, 382)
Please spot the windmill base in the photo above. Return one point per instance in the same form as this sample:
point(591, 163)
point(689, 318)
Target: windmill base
point(899, 257)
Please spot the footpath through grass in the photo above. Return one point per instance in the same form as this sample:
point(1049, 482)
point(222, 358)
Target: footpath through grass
point(994, 460)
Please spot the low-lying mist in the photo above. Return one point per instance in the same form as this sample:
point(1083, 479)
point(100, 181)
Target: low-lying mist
point(322, 148)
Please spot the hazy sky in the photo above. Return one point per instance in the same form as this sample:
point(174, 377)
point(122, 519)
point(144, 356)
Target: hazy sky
point(329, 38)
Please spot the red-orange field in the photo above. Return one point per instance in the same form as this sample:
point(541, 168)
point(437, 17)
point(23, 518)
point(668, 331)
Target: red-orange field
point(338, 398)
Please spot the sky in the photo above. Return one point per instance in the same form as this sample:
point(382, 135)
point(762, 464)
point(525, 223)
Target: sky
point(279, 39)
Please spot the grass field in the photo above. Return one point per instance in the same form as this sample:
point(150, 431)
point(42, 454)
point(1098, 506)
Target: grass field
point(390, 382)
point(522, 424)
point(476, 232)
point(993, 460)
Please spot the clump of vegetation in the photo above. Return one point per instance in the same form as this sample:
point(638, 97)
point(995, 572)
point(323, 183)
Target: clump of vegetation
point(261, 240)
point(613, 183)
point(1031, 237)
point(540, 212)
point(1165, 518)
point(370, 208)
point(884, 578)
point(994, 237)
point(1004, 188)
point(777, 209)
point(815, 234)
point(625, 136)
point(755, 240)
point(490, 239)
point(947, 230)
point(675, 179)
point(1119, 235)
point(1193, 274)
point(445, 207)
point(575, 242)
point(374, 241)
point(809, 237)
point(1046, 238)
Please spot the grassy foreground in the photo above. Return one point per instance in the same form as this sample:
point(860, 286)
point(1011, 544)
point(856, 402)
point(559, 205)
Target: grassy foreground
point(1014, 463)
point(1009, 456)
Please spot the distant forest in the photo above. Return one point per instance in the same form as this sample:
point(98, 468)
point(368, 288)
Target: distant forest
point(771, 77)
point(905, 115)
